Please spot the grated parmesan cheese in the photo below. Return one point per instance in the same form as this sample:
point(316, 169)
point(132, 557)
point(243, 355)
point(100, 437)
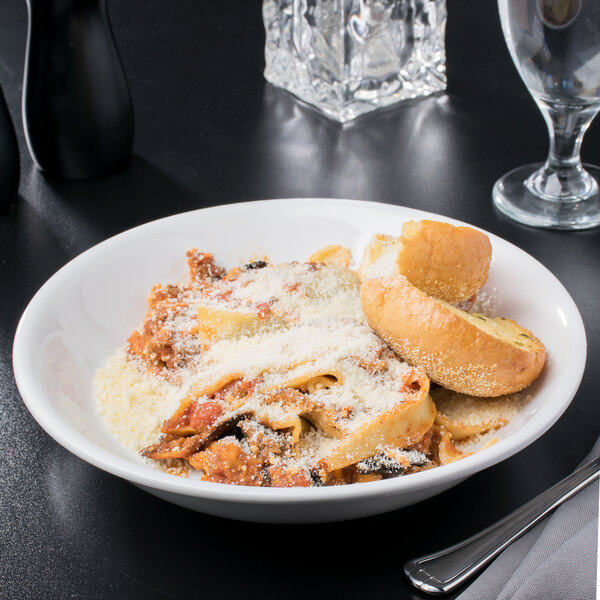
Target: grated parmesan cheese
point(291, 322)
point(132, 402)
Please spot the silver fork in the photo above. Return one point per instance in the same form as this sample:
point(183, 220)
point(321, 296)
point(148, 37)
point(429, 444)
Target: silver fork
point(444, 571)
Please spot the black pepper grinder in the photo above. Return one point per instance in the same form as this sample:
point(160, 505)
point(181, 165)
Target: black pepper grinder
point(9, 158)
point(77, 109)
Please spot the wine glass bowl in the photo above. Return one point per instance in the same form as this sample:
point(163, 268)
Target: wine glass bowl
point(555, 45)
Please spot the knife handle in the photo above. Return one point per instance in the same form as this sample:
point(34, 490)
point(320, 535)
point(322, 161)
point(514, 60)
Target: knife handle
point(444, 571)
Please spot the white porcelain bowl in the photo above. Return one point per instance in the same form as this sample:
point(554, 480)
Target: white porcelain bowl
point(88, 309)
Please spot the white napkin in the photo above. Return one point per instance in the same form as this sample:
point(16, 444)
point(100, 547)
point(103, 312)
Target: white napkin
point(556, 560)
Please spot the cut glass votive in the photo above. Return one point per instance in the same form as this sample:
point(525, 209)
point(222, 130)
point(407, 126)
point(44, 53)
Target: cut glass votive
point(349, 57)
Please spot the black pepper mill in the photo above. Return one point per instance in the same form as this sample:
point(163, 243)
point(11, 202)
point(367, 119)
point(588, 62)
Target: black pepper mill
point(77, 109)
point(9, 158)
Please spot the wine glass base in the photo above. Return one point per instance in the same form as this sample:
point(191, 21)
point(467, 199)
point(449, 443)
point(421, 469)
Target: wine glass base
point(513, 198)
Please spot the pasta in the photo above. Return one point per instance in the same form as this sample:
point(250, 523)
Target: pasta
point(274, 378)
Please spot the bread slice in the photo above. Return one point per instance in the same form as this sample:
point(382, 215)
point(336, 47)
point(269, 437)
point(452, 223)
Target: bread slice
point(445, 261)
point(466, 416)
point(467, 353)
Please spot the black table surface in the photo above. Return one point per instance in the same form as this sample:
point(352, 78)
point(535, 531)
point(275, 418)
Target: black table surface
point(210, 131)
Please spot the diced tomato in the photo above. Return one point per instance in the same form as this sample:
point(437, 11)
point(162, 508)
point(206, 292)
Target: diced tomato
point(263, 309)
point(225, 462)
point(204, 414)
point(289, 477)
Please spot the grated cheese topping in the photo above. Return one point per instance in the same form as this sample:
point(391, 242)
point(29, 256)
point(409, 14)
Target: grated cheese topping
point(323, 331)
point(278, 327)
point(132, 402)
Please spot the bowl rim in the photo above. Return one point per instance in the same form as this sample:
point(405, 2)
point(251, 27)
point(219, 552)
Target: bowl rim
point(137, 473)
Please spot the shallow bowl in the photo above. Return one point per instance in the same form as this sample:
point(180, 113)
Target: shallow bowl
point(89, 308)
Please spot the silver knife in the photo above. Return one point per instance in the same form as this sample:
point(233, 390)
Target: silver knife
point(444, 571)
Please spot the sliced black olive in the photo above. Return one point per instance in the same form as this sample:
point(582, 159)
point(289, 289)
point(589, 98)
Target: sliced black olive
point(226, 425)
point(258, 264)
point(316, 479)
point(382, 465)
point(387, 465)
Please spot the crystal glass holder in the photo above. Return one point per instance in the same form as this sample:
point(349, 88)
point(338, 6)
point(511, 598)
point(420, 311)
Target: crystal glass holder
point(349, 57)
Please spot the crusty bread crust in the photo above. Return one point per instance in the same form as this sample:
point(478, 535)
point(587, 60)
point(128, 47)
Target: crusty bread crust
point(443, 260)
point(454, 349)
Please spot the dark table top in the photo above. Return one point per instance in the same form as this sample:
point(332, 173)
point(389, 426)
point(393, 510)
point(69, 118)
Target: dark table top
point(209, 131)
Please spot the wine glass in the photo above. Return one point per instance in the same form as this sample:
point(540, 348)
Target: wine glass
point(555, 45)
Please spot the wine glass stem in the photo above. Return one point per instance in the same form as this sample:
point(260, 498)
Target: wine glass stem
point(562, 178)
